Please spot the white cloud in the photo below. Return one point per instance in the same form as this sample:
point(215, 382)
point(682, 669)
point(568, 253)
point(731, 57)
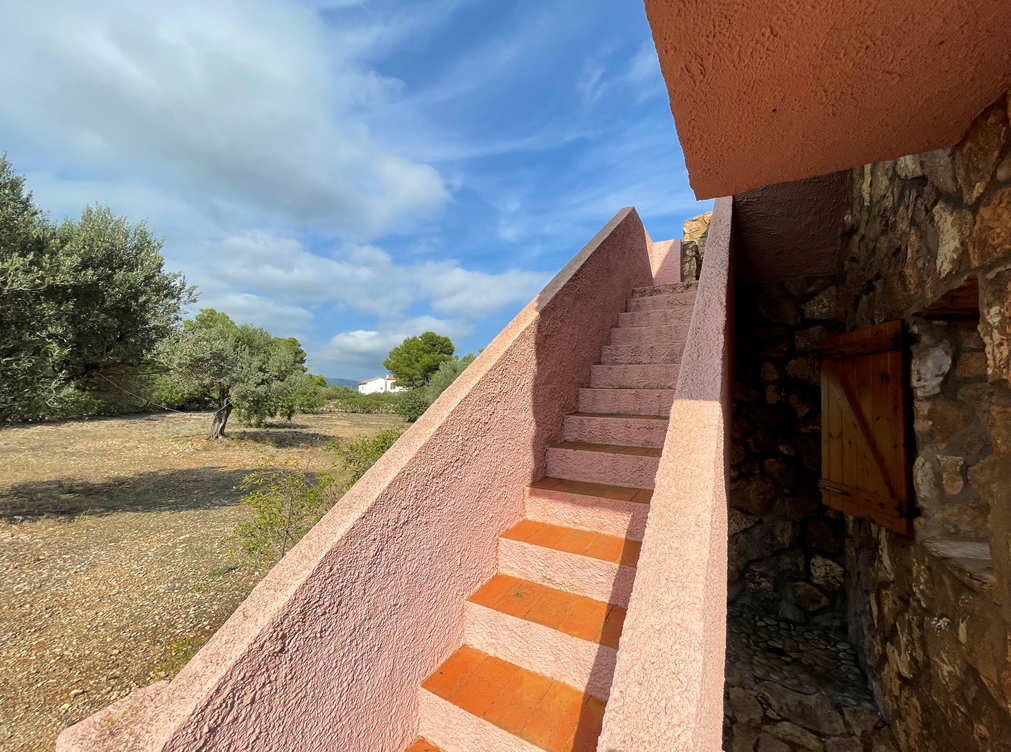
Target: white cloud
point(245, 308)
point(591, 83)
point(364, 278)
point(353, 351)
point(219, 100)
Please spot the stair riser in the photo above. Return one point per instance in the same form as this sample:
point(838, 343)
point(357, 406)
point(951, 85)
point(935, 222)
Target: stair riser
point(582, 575)
point(626, 401)
point(453, 729)
point(628, 470)
point(585, 665)
point(675, 287)
point(640, 432)
point(668, 354)
point(647, 376)
point(673, 317)
point(622, 519)
point(683, 300)
point(649, 335)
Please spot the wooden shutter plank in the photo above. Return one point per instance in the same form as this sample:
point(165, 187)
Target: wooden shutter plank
point(864, 431)
point(856, 417)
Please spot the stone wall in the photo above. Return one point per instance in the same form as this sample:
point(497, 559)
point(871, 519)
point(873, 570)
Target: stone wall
point(929, 241)
point(693, 246)
point(786, 548)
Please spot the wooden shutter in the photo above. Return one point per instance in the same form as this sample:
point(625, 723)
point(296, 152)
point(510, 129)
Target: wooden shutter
point(865, 434)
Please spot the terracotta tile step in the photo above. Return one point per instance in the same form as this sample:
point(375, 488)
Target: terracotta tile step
point(651, 335)
point(569, 540)
point(641, 354)
point(616, 428)
point(614, 510)
point(604, 463)
point(629, 401)
point(575, 615)
point(596, 565)
point(648, 376)
point(657, 302)
point(656, 318)
point(547, 714)
point(422, 745)
point(603, 490)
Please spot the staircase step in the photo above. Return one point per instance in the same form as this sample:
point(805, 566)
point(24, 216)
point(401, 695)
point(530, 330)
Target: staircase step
point(674, 287)
point(647, 376)
point(628, 430)
point(566, 637)
point(614, 510)
point(669, 353)
point(423, 745)
point(604, 463)
point(583, 562)
point(677, 300)
point(658, 318)
point(475, 701)
point(651, 335)
point(626, 401)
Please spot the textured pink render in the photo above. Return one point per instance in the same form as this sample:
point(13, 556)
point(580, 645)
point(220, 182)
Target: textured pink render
point(667, 692)
point(327, 653)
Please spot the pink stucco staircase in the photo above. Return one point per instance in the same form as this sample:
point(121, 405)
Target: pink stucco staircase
point(541, 637)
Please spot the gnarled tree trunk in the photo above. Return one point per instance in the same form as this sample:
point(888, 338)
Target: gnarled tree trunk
point(220, 419)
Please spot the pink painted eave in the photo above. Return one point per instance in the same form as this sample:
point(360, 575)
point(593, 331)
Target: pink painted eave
point(766, 93)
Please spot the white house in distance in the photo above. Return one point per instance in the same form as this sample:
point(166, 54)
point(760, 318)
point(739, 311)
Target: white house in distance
point(379, 384)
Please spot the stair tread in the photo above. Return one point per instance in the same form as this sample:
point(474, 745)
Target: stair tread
point(584, 446)
point(570, 540)
point(601, 490)
point(546, 713)
point(620, 416)
point(571, 614)
point(422, 745)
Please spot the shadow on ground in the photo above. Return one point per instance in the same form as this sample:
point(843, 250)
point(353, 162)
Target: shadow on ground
point(286, 436)
point(161, 490)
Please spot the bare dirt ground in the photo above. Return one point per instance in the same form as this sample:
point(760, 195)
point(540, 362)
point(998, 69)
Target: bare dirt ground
point(115, 559)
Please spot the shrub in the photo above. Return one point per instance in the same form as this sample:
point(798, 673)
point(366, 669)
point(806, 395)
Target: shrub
point(348, 401)
point(289, 500)
point(357, 456)
point(413, 404)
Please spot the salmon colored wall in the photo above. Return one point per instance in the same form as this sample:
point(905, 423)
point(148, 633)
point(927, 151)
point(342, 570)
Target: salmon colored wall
point(667, 693)
point(328, 651)
point(769, 92)
point(665, 260)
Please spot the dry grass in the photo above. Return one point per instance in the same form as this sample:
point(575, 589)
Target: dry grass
point(114, 553)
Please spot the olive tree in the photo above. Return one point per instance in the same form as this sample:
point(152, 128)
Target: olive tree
point(84, 304)
point(236, 366)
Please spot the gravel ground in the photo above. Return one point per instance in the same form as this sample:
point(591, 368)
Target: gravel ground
point(114, 554)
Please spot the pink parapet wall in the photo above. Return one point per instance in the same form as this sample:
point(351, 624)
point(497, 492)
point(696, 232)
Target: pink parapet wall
point(328, 651)
point(665, 261)
point(667, 692)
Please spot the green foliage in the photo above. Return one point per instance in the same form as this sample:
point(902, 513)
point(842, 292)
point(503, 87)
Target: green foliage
point(352, 401)
point(358, 455)
point(84, 304)
point(286, 502)
point(213, 360)
point(289, 500)
point(412, 405)
point(447, 374)
point(417, 358)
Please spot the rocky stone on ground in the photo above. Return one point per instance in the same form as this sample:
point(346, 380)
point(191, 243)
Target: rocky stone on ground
point(795, 688)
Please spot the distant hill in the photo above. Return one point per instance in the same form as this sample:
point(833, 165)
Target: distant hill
point(349, 383)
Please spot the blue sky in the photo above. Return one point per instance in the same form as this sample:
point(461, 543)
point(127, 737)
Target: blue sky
point(349, 172)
